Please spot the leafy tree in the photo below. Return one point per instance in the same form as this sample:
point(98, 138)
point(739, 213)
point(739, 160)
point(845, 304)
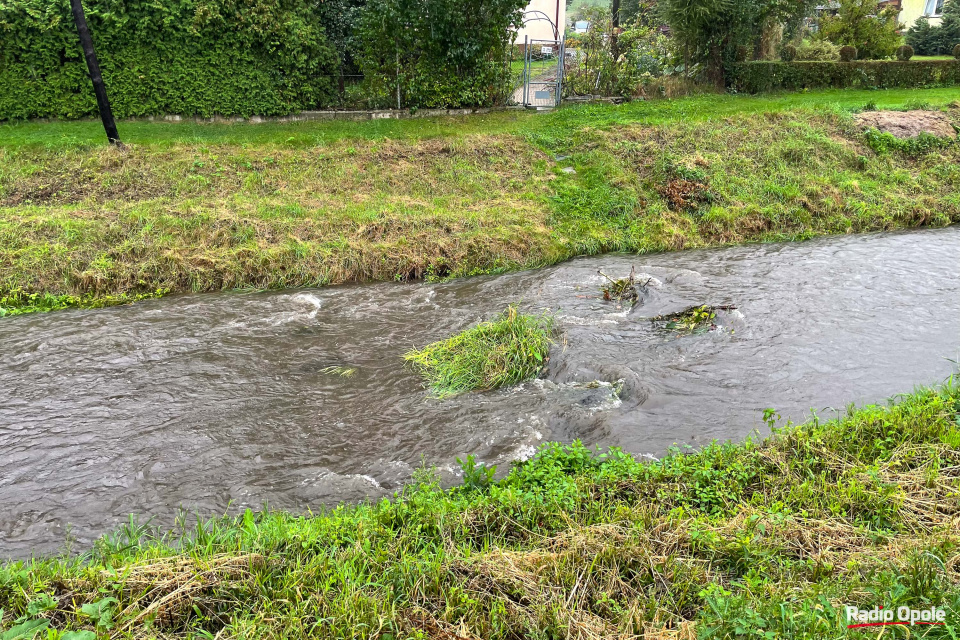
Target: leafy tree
point(437, 53)
point(711, 31)
point(936, 40)
point(639, 13)
point(862, 24)
point(339, 18)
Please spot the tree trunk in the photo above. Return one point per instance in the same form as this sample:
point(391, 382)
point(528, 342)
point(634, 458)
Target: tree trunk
point(614, 29)
point(103, 104)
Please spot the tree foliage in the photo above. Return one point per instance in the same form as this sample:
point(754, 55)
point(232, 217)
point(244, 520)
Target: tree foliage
point(339, 17)
point(864, 25)
point(936, 40)
point(437, 53)
point(710, 31)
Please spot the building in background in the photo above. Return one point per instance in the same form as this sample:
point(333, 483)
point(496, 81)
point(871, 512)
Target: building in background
point(910, 10)
point(542, 18)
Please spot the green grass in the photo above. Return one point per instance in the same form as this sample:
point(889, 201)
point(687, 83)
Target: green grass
point(206, 207)
point(59, 135)
point(756, 540)
point(14, 303)
point(512, 348)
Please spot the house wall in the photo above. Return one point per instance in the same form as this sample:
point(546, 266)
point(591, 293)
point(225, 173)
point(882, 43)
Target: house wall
point(913, 9)
point(541, 29)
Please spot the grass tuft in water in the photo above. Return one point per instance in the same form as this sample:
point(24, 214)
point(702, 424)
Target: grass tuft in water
point(510, 349)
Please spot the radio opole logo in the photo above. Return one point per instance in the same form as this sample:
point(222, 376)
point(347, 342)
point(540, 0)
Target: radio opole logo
point(880, 617)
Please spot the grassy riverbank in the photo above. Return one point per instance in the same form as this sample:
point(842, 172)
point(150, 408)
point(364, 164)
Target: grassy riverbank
point(761, 540)
point(206, 207)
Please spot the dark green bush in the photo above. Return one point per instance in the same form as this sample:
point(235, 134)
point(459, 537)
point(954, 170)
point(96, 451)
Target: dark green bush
point(905, 52)
point(788, 53)
point(956, 52)
point(190, 57)
point(848, 53)
point(757, 77)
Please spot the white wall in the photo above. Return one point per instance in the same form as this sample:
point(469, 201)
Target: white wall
point(541, 29)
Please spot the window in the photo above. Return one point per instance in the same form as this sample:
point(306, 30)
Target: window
point(933, 8)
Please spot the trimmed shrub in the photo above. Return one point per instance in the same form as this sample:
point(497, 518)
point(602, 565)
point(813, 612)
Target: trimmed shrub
point(788, 53)
point(848, 53)
point(189, 57)
point(820, 50)
point(905, 52)
point(757, 77)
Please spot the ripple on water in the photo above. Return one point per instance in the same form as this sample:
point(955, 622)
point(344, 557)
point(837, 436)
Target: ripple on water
point(217, 402)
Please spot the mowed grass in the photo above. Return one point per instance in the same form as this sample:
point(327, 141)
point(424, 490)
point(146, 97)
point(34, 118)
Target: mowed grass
point(763, 539)
point(509, 349)
point(191, 207)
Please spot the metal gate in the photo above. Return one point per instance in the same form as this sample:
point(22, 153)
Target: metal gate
point(543, 73)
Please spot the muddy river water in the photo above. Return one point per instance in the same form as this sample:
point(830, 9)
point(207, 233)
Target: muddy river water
point(216, 402)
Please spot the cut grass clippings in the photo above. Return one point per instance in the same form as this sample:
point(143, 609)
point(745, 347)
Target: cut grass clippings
point(757, 540)
point(512, 348)
point(213, 207)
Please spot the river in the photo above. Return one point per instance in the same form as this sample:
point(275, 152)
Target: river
point(216, 402)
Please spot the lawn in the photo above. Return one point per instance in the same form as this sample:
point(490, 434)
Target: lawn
point(203, 207)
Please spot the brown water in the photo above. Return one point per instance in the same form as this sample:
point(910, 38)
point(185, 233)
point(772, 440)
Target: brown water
point(218, 402)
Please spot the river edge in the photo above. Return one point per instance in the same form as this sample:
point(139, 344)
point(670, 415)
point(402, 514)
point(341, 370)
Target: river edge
point(172, 215)
point(773, 536)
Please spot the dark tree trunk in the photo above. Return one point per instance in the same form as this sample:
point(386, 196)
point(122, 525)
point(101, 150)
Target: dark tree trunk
point(103, 104)
point(615, 28)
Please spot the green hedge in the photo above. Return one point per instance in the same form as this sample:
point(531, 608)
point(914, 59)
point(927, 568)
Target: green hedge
point(756, 77)
point(189, 57)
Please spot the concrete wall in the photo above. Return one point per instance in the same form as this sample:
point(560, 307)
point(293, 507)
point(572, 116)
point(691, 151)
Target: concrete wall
point(541, 29)
point(913, 9)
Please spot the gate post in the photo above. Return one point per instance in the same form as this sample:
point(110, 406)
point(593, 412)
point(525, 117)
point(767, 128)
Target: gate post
point(526, 69)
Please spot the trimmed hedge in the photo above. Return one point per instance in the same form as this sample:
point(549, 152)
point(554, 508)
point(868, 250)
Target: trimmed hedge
point(757, 77)
point(189, 57)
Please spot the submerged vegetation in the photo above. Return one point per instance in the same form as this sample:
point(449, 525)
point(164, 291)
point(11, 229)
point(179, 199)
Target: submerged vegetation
point(208, 207)
point(512, 348)
point(623, 290)
point(763, 539)
point(693, 320)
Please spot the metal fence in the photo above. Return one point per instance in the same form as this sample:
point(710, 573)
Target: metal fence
point(542, 73)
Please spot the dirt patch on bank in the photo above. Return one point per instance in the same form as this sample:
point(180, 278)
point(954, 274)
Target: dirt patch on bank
point(907, 124)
